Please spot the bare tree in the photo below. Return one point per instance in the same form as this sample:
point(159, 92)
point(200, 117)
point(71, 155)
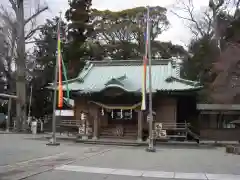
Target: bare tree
point(206, 22)
point(199, 24)
point(15, 24)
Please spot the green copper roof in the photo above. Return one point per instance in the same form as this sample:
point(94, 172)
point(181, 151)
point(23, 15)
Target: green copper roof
point(127, 75)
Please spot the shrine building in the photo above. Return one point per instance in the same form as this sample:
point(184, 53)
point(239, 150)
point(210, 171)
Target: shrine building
point(109, 93)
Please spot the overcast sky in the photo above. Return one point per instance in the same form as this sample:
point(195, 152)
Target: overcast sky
point(177, 33)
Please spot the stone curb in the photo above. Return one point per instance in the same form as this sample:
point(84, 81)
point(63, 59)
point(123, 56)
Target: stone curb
point(2, 132)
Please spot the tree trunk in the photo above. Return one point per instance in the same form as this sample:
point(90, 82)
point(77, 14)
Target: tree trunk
point(20, 80)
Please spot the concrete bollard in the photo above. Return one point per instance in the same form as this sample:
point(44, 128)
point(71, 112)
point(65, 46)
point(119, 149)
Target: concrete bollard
point(233, 149)
point(34, 127)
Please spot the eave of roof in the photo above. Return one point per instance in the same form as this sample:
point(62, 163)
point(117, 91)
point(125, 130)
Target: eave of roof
point(219, 107)
point(129, 62)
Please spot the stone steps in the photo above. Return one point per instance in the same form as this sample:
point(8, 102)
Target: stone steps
point(111, 132)
point(112, 141)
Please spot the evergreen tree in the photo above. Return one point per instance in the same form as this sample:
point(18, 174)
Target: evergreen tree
point(79, 29)
point(43, 72)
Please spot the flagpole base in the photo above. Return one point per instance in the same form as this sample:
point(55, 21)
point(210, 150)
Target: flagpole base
point(53, 144)
point(150, 149)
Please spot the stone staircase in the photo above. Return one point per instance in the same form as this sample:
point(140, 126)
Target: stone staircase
point(119, 132)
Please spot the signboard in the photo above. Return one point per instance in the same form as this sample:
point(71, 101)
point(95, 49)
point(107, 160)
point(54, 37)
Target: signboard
point(158, 125)
point(163, 133)
point(159, 132)
point(64, 113)
point(81, 130)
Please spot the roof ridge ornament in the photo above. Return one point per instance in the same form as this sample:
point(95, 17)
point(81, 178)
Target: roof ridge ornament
point(117, 80)
point(122, 77)
point(114, 81)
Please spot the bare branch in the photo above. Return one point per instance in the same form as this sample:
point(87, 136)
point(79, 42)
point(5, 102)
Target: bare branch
point(199, 26)
point(182, 17)
point(32, 42)
point(39, 11)
point(237, 4)
point(208, 18)
point(236, 8)
point(14, 5)
point(220, 3)
point(32, 32)
point(7, 17)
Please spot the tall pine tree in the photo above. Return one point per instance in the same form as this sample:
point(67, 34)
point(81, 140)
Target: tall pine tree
point(79, 30)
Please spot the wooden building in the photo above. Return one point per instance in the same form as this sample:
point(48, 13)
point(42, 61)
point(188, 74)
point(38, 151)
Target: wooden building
point(219, 122)
point(109, 94)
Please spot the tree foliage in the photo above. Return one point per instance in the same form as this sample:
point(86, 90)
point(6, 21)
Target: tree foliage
point(79, 29)
point(198, 66)
point(127, 25)
point(121, 33)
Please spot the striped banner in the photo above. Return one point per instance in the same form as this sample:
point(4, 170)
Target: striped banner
point(144, 78)
point(143, 107)
point(60, 86)
point(66, 79)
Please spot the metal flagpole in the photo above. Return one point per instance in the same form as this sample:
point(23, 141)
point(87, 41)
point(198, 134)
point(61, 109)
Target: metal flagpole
point(150, 145)
point(53, 141)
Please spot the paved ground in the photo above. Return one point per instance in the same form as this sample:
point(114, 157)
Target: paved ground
point(24, 158)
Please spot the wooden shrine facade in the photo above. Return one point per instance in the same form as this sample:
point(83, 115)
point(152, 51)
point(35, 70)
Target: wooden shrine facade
point(122, 117)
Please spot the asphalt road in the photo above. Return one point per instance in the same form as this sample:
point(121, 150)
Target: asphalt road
point(22, 157)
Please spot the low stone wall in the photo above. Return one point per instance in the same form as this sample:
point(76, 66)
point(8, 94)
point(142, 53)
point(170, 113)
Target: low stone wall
point(220, 134)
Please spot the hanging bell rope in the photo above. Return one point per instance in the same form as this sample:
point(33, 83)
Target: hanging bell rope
point(102, 112)
point(112, 113)
point(121, 115)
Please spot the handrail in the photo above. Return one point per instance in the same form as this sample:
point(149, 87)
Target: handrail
point(70, 122)
point(175, 124)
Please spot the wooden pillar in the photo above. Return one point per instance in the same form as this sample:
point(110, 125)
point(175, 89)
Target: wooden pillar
point(140, 126)
point(200, 125)
point(95, 126)
point(9, 114)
